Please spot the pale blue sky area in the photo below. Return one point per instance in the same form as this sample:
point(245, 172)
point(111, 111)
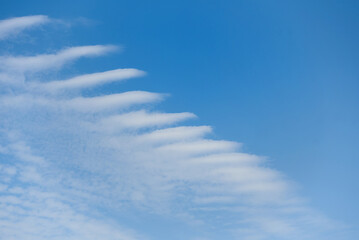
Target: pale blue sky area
point(281, 77)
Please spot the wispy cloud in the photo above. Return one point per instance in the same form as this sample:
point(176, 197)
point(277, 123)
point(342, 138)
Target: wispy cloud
point(90, 80)
point(13, 26)
point(69, 155)
point(176, 134)
point(47, 61)
point(31, 209)
point(113, 101)
point(143, 119)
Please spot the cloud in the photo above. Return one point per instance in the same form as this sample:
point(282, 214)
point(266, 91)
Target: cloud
point(74, 165)
point(113, 101)
point(143, 119)
point(30, 209)
point(13, 26)
point(90, 80)
point(198, 147)
point(25, 64)
point(175, 134)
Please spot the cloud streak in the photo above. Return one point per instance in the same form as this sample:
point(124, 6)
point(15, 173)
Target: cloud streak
point(113, 101)
point(25, 64)
point(13, 26)
point(90, 80)
point(143, 119)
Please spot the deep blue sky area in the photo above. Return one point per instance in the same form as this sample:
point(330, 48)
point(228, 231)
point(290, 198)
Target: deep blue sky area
point(282, 77)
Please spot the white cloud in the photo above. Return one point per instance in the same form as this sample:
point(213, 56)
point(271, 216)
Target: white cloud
point(13, 26)
point(31, 209)
point(143, 119)
point(67, 155)
point(89, 80)
point(198, 147)
point(113, 101)
point(175, 134)
point(47, 61)
point(228, 158)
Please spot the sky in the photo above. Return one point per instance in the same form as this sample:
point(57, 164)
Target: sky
point(198, 120)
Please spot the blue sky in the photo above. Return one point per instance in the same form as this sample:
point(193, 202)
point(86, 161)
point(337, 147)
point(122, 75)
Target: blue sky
point(279, 77)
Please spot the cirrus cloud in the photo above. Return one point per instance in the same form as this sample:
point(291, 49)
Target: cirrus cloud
point(71, 164)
